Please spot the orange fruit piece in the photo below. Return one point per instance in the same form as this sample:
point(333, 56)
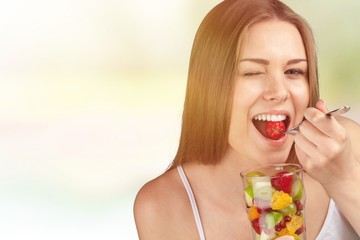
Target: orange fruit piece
point(253, 213)
point(295, 223)
point(280, 200)
point(285, 232)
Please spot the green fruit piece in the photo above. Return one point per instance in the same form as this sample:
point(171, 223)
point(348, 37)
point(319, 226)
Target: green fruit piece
point(277, 217)
point(297, 189)
point(270, 221)
point(249, 176)
point(267, 236)
point(273, 218)
point(288, 211)
point(263, 190)
point(249, 195)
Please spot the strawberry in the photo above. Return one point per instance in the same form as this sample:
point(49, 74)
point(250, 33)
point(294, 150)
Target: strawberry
point(282, 182)
point(275, 130)
point(255, 224)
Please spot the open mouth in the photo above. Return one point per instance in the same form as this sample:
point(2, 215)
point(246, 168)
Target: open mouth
point(272, 126)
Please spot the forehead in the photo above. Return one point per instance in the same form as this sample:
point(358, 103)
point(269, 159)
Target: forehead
point(273, 38)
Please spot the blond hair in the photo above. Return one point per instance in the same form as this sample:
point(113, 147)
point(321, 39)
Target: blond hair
point(212, 70)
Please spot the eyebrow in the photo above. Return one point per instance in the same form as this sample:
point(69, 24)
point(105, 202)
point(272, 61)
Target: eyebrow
point(294, 61)
point(266, 62)
point(255, 60)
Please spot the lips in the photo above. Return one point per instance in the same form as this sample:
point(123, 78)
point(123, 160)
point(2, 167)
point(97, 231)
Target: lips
point(264, 120)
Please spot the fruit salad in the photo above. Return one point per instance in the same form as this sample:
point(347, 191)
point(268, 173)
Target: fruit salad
point(275, 204)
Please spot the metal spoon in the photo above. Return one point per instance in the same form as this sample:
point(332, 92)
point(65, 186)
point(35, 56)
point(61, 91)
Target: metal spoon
point(295, 129)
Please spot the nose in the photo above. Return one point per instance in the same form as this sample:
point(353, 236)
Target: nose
point(276, 90)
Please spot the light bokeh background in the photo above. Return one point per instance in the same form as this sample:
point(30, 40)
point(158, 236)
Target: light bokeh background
point(91, 98)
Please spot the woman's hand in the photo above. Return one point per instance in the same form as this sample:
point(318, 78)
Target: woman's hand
point(329, 152)
point(323, 147)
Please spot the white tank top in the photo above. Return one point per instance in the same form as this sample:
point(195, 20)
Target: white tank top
point(335, 227)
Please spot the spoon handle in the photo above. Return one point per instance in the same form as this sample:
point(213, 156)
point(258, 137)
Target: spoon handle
point(295, 129)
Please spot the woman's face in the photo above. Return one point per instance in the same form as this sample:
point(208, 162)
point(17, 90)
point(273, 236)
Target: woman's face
point(271, 84)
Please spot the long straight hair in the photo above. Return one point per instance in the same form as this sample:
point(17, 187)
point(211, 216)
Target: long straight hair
point(212, 73)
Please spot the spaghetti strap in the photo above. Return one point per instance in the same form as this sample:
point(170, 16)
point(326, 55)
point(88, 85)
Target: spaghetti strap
point(192, 201)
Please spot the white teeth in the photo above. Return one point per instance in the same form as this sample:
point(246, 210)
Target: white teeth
point(270, 117)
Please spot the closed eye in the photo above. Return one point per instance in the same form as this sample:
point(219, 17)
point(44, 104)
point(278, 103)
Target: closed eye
point(250, 74)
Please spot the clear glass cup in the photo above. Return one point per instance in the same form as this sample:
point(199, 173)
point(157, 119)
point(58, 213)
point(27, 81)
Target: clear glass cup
point(275, 199)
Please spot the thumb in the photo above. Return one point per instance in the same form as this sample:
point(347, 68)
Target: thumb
point(320, 105)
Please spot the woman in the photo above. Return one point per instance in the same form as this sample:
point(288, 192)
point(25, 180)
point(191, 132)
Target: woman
point(252, 58)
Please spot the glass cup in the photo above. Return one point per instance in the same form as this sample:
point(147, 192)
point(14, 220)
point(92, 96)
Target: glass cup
point(275, 199)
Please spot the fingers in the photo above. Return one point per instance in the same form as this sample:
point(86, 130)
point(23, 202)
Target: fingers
point(325, 136)
point(328, 125)
point(321, 106)
point(321, 137)
point(323, 146)
point(302, 153)
point(307, 147)
point(314, 153)
point(311, 156)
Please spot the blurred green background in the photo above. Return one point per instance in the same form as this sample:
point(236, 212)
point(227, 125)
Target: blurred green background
point(91, 101)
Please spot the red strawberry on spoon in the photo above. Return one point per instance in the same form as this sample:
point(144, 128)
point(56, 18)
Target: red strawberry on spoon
point(275, 130)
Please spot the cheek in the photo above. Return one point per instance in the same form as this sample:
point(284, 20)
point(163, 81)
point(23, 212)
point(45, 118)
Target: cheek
point(237, 120)
point(237, 131)
point(246, 93)
point(301, 96)
point(245, 96)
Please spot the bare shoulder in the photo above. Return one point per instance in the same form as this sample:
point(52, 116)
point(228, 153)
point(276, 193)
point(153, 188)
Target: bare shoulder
point(160, 207)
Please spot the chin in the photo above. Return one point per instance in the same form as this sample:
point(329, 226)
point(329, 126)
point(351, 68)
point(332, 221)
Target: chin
point(277, 158)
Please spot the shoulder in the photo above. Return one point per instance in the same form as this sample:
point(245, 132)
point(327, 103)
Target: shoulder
point(159, 206)
point(158, 191)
